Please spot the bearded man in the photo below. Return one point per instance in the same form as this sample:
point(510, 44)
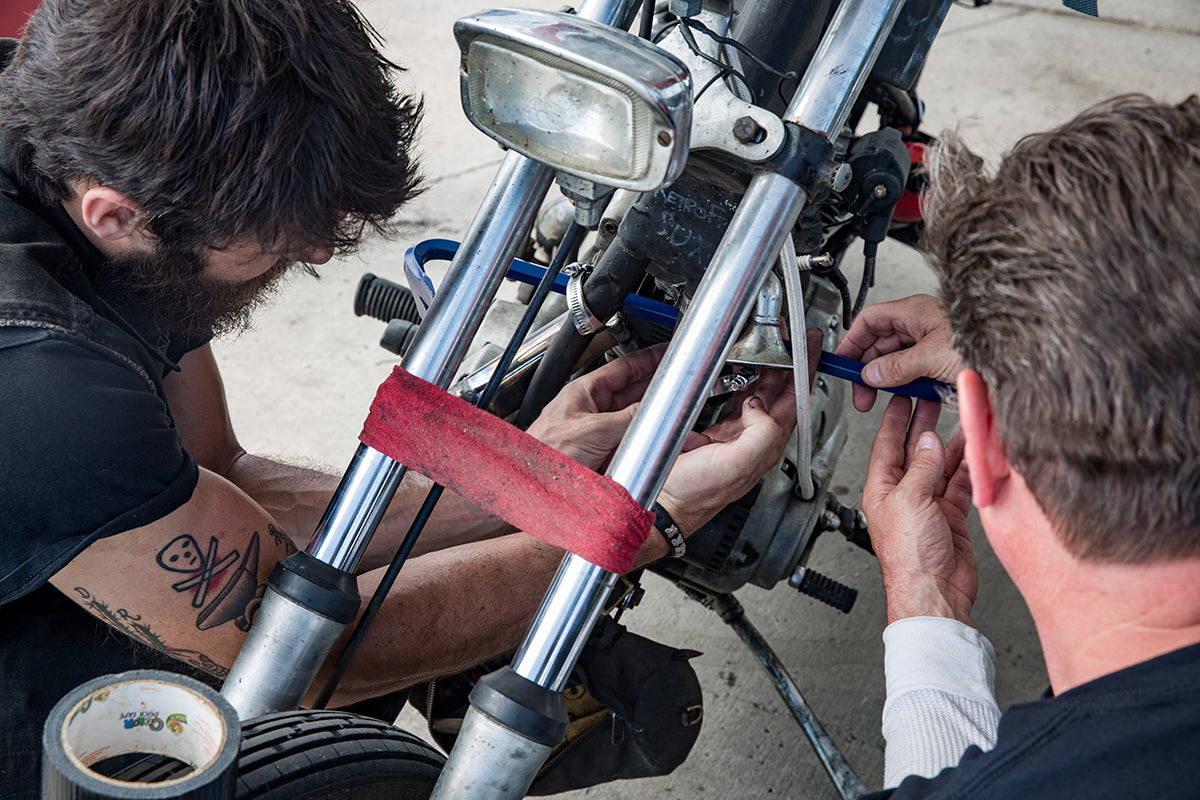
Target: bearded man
point(162, 165)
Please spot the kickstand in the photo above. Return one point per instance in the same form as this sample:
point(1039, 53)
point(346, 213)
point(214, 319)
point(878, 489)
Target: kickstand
point(730, 610)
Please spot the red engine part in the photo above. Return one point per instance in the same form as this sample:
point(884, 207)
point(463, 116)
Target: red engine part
point(13, 16)
point(908, 207)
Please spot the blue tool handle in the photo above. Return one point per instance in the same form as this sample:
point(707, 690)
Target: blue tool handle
point(851, 370)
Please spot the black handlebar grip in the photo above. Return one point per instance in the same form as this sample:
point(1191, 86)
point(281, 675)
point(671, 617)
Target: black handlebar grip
point(384, 300)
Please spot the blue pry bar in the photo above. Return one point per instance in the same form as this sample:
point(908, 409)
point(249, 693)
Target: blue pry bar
point(850, 370)
point(444, 249)
point(667, 315)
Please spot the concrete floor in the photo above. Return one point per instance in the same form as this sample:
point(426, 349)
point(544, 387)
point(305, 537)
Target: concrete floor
point(299, 384)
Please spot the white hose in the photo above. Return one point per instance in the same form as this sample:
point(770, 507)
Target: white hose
point(795, 302)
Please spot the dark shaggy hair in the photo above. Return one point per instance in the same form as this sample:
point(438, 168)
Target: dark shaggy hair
point(269, 121)
point(1072, 281)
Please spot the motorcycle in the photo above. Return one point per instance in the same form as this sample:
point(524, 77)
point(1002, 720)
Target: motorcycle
point(716, 180)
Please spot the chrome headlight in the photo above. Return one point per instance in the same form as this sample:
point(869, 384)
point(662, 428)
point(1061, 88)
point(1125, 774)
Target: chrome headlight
point(587, 99)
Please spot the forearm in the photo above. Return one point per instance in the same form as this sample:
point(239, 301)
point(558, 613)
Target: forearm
point(298, 496)
point(295, 496)
point(940, 696)
point(451, 610)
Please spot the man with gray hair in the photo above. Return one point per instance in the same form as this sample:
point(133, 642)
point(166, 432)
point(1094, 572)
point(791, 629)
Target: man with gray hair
point(1070, 317)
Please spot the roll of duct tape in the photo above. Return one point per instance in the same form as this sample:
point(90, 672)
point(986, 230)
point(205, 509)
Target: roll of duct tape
point(140, 712)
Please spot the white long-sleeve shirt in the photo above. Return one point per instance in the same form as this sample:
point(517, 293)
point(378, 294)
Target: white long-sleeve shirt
point(940, 695)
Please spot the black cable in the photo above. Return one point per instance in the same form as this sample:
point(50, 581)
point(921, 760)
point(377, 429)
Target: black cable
point(726, 69)
point(665, 30)
point(381, 593)
point(568, 247)
point(690, 40)
point(646, 28)
point(868, 278)
point(839, 280)
point(710, 82)
point(746, 51)
point(783, 98)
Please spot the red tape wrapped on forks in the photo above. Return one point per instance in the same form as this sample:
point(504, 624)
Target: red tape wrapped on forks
point(506, 472)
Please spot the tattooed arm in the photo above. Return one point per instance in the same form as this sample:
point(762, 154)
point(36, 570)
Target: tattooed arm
point(295, 496)
point(188, 585)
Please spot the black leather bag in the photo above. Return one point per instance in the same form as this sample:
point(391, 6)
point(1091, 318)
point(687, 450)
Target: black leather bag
point(634, 706)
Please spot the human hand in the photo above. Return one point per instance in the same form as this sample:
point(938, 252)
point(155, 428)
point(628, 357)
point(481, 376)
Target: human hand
point(724, 462)
point(916, 499)
point(587, 419)
point(899, 342)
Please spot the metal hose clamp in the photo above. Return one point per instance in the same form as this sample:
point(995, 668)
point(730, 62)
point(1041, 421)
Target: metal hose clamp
point(585, 322)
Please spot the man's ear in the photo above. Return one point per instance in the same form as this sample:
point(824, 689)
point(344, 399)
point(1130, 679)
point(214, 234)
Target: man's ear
point(111, 215)
point(986, 462)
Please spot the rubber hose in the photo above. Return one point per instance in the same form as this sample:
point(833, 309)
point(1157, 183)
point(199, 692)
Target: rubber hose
point(616, 275)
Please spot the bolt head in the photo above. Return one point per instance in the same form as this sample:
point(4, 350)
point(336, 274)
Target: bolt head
point(747, 131)
point(880, 190)
point(664, 138)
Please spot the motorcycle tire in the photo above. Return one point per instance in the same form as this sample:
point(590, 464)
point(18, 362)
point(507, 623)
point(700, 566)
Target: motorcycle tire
point(333, 755)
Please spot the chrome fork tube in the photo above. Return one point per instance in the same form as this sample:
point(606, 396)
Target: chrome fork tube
point(606, 12)
point(499, 760)
point(282, 653)
point(572, 605)
point(437, 349)
point(372, 478)
point(841, 64)
point(698, 349)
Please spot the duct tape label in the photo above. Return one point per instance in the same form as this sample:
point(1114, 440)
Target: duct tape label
point(142, 712)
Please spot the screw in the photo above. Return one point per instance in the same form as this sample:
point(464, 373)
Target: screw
point(880, 190)
point(747, 131)
point(664, 138)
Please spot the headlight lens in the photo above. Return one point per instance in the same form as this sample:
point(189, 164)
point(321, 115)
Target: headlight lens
point(623, 122)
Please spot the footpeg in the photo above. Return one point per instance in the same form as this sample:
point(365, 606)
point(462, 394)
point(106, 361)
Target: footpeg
point(824, 588)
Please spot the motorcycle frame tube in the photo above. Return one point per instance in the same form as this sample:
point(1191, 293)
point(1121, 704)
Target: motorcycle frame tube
point(719, 308)
point(531, 352)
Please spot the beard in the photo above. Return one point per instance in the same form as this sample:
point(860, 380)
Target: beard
point(172, 292)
